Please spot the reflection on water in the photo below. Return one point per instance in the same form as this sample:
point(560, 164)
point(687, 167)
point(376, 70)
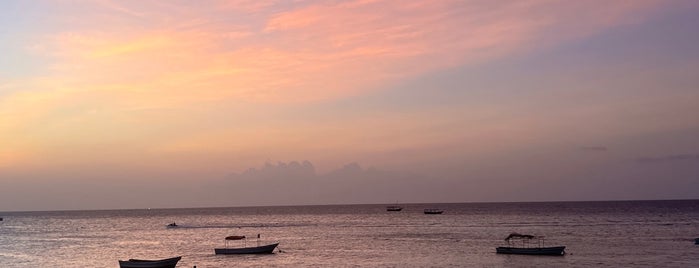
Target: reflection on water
point(611, 234)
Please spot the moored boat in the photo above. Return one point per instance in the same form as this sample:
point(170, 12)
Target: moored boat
point(266, 249)
point(532, 251)
point(136, 263)
point(433, 211)
point(258, 249)
point(394, 208)
point(527, 248)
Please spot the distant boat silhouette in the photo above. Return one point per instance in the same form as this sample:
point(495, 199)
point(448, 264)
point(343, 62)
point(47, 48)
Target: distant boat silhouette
point(433, 211)
point(394, 208)
point(172, 225)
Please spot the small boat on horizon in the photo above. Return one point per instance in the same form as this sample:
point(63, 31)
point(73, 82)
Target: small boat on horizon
point(136, 263)
point(172, 225)
point(394, 208)
point(433, 211)
point(528, 249)
point(264, 249)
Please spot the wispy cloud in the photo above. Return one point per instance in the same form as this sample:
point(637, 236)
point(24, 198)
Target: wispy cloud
point(316, 51)
point(594, 148)
point(669, 158)
point(108, 59)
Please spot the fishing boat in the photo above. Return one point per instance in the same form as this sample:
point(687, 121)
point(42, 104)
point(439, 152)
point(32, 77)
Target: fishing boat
point(528, 247)
point(136, 263)
point(394, 208)
point(433, 211)
point(258, 249)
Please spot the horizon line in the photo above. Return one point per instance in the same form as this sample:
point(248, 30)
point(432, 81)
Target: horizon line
point(348, 204)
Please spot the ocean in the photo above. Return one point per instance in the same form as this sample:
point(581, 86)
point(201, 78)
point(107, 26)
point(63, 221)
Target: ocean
point(596, 234)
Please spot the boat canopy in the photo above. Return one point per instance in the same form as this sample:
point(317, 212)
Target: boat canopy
point(521, 236)
point(235, 237)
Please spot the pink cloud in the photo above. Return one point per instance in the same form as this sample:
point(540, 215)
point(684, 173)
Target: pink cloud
point(127, 56)
point(329, 50)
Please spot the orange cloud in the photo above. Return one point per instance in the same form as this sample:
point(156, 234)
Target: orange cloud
point(323, 50)
point(103, 78)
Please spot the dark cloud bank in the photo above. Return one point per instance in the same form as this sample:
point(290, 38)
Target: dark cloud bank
point(298, 182)
point(551, 178)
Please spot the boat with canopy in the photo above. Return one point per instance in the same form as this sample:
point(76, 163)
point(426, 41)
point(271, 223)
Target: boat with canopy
point(528, 247)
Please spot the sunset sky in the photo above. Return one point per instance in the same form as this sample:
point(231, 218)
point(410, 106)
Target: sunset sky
point(135, 104)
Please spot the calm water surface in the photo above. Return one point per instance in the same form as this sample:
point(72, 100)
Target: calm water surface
point(597, 234)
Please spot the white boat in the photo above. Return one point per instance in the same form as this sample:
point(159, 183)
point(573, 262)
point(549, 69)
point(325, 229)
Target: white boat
point(526, 248)
point(258, 249)
point(136, 263)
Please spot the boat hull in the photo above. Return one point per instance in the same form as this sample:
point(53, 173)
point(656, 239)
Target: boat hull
point(433, 212)
point(266, 249)
point(557, 251)
point(164, 263)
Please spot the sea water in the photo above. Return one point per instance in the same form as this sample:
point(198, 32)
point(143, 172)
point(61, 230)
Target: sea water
point(596, 234)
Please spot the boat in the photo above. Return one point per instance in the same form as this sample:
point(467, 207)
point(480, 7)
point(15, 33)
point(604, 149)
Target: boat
point(136, 263)
point(172, 225)
point(696, 241)
point(394, 208)
point(527, 248)
point(264, 249)
point(433, 211)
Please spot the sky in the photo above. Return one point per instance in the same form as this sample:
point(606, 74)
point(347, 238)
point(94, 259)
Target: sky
point(138, 104)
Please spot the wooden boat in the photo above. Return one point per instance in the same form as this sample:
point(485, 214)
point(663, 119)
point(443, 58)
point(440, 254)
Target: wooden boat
point(532, 251)
point(527, 248)
point(394, 208)
point(136, 263)
point(433, 211)
point(264, 249)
